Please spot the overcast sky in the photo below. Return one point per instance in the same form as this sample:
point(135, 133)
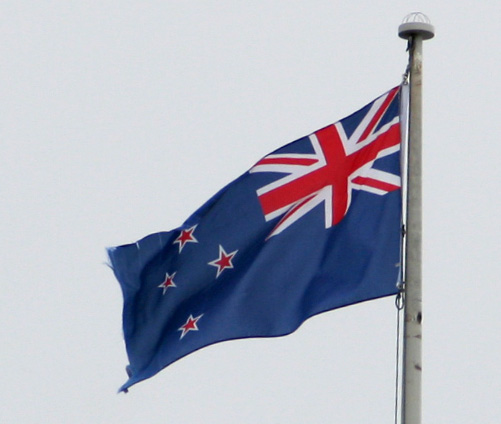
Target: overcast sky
point(120, 118)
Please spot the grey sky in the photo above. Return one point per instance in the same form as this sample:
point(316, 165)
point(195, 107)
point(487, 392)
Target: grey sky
point(120, 118)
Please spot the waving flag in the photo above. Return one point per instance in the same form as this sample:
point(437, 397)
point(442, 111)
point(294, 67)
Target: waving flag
point(309, 228)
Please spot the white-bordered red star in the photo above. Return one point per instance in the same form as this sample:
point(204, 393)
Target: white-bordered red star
point(189, 325)
point(223, 261)
point(186, 236)
point(168, 282)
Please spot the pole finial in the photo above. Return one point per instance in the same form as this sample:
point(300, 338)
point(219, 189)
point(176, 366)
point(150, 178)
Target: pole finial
point(416, 23)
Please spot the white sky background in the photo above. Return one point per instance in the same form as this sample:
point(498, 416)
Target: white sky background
point(120, 118)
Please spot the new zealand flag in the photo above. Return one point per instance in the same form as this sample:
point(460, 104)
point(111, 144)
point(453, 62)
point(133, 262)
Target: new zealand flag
point(309, 228)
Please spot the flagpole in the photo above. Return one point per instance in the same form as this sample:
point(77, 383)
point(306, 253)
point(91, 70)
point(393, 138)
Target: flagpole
point(415, 28)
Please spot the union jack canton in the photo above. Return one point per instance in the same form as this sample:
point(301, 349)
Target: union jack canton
point(340, 163)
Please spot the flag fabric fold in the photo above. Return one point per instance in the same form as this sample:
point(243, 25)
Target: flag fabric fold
point(311, 227)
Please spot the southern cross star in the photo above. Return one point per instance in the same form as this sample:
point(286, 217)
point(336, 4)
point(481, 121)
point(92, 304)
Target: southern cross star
point(186, 236)
point(168, 282)
point(189, 325)
point(223, 261)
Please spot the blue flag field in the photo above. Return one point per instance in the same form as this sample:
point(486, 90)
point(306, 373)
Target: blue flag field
point(313, 226)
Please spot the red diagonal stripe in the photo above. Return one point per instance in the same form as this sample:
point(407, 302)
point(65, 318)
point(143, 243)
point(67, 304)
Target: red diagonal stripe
point(377, 117)
point(370, 152)
point(371, 182)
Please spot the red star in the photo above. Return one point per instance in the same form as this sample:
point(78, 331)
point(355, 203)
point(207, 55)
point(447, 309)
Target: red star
point(168, 282)
point(190, 325)
point(224, 260)
point(186, 236)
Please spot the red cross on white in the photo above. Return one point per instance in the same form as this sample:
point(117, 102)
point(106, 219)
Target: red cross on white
point(186, 236)
point(189, 325)
point(338, 165)
point(224, 260)
point(168, 282)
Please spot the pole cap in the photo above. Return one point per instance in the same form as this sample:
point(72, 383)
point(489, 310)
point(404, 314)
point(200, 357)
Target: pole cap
point(416, 23)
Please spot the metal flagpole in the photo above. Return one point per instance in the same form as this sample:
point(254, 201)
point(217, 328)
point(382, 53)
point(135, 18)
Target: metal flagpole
point(415, 28)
